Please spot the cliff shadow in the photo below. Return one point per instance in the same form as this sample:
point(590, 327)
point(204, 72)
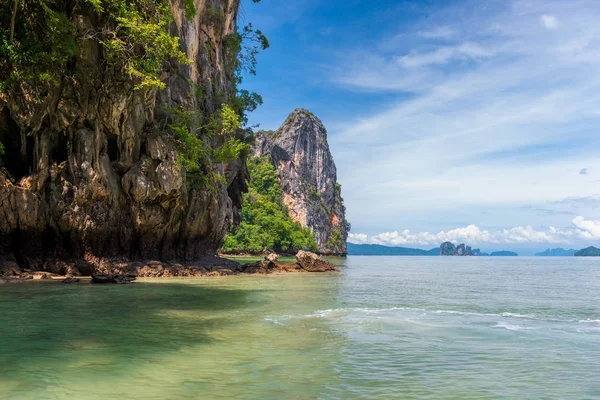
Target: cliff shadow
point(48, 327)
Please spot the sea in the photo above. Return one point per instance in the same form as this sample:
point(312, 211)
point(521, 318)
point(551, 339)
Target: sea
point(383, 328)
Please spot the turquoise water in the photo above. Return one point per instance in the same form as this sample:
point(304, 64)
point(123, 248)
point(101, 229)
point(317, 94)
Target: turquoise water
point(384, 328)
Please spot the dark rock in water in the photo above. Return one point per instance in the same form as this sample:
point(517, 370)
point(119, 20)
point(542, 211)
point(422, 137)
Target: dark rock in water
point(113, 278)
point(308, 178)
point(260, 267)
point(311, 262)
point(306, 262)
point(70, 280)
point(42, 275)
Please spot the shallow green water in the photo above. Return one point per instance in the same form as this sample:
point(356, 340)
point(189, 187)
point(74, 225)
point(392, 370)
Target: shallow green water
point(385, 328)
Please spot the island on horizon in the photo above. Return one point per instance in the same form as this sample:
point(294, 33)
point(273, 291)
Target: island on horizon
point(445, 249)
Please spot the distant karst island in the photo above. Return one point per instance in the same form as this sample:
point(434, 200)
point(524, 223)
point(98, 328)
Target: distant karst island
point(588, 252)
point(380, 250)
point(461, 250)
point(558, 252)
point(445, 249)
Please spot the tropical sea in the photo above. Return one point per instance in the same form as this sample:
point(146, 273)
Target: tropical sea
point(383, 328)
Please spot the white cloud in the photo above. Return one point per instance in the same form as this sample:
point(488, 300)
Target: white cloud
point(500, 116)
point(549, 21)
point(589, 229)
point(582, 230)
point(438, 32)
point(443, 55)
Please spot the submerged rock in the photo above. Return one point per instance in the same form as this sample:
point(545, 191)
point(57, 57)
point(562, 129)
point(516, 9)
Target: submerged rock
point(113, 278)
point(260, 267)
point(70, 280)
point(308, 178)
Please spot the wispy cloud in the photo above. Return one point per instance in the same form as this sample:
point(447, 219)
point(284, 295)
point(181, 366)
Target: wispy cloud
point(443, 55)
point(502, 112)
point(583, 171)
point(587, 201)
point(438, 32)
point(582, 230)
point(549, 21)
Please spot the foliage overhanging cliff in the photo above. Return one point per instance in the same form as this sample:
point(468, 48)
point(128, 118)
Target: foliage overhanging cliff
point(121, 127)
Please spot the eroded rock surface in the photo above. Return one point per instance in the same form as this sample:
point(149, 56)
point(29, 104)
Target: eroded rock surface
point(89, 174)
point(449, 249)
point(310, 262)
point(308, 177)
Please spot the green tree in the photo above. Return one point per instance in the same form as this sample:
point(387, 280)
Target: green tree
point(266, 224)
point(41, 42)
point(335, 240)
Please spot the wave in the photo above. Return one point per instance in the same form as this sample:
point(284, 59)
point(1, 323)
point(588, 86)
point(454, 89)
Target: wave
point(326, 313)
point(510, 327)
point(424, 312)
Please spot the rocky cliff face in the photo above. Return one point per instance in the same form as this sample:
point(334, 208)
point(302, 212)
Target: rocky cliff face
point(87, 171)
point(308, 177)
point(449, 249)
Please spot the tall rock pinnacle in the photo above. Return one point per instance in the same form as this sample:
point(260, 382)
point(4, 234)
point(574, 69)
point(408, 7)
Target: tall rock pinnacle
point(308, 177)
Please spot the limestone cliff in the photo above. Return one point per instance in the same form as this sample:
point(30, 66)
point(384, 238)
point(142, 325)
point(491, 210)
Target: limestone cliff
point(308, 177)
point(449, 249)
point(88, 171)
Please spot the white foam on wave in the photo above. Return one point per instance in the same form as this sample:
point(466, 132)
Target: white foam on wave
point(525, 316)
point(351, 312)
point(510, 327)
point(589, 329)
point(589, 321)
point(274, 320)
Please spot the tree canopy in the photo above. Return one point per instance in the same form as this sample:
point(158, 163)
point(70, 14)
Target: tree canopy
point(266, 224)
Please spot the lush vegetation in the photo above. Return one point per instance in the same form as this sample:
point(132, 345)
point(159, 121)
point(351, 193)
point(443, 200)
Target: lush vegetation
point(266, 224)
point(40, 46)
point(38, 43)
point(335, 240)
point(201, 145)
point(342, 207)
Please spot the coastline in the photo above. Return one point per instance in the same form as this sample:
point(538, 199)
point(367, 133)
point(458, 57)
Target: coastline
point(205, 266)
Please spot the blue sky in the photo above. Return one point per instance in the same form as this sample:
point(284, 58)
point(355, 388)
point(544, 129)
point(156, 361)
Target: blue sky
point(470, 121)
